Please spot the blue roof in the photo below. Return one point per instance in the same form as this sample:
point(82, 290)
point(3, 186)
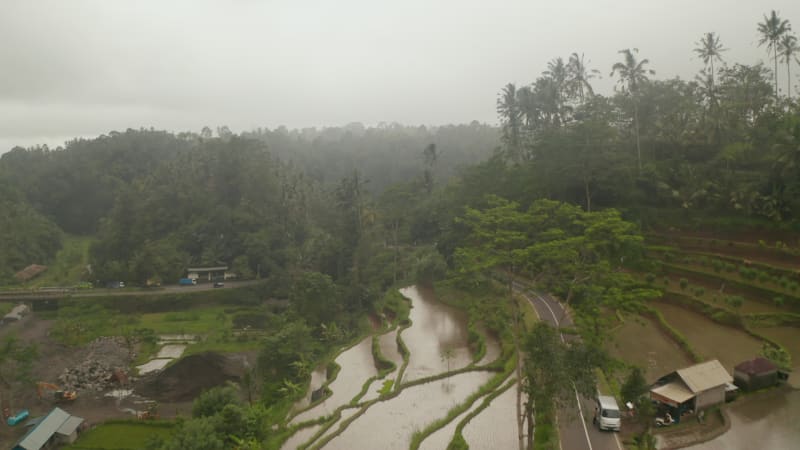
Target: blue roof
point(38, 436)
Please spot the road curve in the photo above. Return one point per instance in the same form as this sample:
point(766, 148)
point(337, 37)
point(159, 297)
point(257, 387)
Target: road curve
point(575, 427)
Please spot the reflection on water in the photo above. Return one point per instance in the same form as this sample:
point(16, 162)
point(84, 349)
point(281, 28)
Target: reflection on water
point(495, 428)
point(357, 366)
point(493, 349)
point(436, 329)
point(318, 378)
point(767, 421)
point(390, 424)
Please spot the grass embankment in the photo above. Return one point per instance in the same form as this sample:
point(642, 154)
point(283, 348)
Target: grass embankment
point(70, 265)
point(224, 321)
point(122, 435)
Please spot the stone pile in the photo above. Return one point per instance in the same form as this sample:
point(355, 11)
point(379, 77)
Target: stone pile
point(96, 371)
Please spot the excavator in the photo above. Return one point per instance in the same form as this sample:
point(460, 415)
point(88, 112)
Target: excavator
point(58, 394)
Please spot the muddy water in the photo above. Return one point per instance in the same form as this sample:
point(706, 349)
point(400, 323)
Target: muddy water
point(710, 339)
point(640, 341)
point(300, 437)
point(318, 378)
point(441, 438)
point(388, 344)
point(357, 366)
point(789, 338)
point(493, 349)
point(436, 328)
point(390, 424)
point(495, 428)
point(766, 421)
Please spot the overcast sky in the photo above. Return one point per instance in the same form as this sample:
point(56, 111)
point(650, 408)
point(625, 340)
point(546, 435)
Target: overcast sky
point(83, 68)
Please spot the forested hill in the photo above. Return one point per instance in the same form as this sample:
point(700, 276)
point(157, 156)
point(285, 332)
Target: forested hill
point(262, 200)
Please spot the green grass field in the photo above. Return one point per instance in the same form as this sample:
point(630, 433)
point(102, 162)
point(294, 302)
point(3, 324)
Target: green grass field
point(121, 435)
point(69, 265)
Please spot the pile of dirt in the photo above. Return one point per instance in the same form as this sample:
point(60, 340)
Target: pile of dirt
point(96, 371)
point(190, 376)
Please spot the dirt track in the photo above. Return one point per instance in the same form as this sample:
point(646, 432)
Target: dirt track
point(174, 388)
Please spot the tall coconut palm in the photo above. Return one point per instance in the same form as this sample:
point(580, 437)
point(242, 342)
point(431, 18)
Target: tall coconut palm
point(557, 74)
point(708, 49)
point(772, 30)
point(788, 50)
point(511, 118)
point(579, 76)
point(632, 74)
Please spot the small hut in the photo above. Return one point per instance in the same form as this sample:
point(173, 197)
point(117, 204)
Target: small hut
point(755, 374)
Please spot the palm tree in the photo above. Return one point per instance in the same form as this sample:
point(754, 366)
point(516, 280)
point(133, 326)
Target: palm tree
point(708, 49)
point(788, 51)
point(509, 112)
point(632, 74)
point(772, 30)
point(579, 76)
point(557, 72)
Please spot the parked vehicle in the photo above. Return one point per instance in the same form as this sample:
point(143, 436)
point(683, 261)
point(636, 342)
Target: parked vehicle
point(219, 284)
point(607, 415)
point(187, 282)
point(115, 284)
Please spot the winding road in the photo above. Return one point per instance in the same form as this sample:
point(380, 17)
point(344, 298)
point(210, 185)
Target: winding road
point(575, 426)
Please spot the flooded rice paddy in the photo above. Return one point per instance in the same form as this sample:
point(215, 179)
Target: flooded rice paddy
point(767, 421)
point(709, 339)
point(300, 437)
point(318, 378)
point(437, 329)
point(640, 341)
point(789, 338)
point(390, 424)
point(495, 428)
point(357, 367)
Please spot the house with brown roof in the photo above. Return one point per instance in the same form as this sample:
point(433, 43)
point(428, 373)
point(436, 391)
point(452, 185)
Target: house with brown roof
point(755, 374)
point(693, 388)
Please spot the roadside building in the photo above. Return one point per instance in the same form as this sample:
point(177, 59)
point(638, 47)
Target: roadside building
point(56, 429)
point(755, 374)
point(29, 272)
point(693, 388)
point(209, 273)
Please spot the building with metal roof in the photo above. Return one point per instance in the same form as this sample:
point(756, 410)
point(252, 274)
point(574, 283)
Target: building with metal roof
point(58, 427)
point(755, 374)
point(696, 387)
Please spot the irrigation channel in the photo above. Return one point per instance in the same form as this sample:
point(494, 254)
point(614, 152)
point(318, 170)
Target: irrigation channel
point(365, 411)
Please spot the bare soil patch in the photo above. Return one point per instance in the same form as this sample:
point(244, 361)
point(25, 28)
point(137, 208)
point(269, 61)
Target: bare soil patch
point(190, 376)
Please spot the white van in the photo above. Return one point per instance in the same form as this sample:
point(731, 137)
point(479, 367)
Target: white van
point(607, 416)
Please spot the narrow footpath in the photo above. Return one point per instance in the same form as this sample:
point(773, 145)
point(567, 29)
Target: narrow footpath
point(575, 427)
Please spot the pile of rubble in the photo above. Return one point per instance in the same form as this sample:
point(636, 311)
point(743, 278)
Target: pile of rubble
point(103, 368)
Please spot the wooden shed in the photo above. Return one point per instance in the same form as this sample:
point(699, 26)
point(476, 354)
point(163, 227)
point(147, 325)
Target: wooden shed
point(693, 388)
point(755, 374)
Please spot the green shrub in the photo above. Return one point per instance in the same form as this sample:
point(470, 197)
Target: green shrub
point(717, 265)
point(778, 300)
point(784, 282)
point(730, 267)
point(699, 292)
point(666, 281)
point(734, 301)
point(793, 286)
point(763, 277)
point(684, 283)
point(650, 277)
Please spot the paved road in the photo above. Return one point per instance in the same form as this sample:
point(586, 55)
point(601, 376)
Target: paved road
point(575, 433)
point(174, 289)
